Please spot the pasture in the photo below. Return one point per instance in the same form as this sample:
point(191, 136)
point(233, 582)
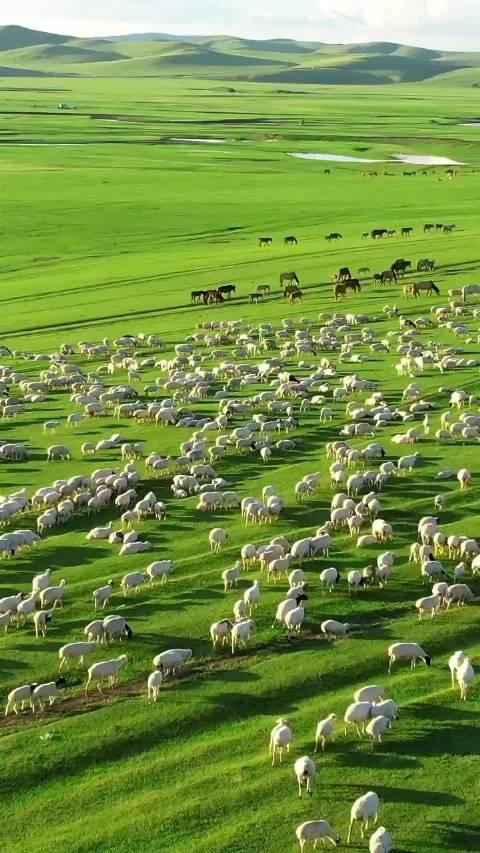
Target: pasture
point(106, 232)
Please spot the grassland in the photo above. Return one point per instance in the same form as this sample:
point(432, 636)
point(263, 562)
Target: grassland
point(106, 232)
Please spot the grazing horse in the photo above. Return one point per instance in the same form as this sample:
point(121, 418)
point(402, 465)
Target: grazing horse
point(388, 275)
point(377, 278)
point(439, 226)
point(333, 236)
point(400, 267)
point(353, 284)
point(295, 296)
point(212, 297)
point(255, 297)
point(227, 289)
point(196, 296)
point(425, 265)
point(343, 274)
point(448, 229)
point(264, 241)
point(289, 277)
point(290, 288)
point(290, 241)
point(408, 174)
point(428, 227)
point(378, 233)
point(411, 290)
point(364, 270)
point(326, 172)
point(263, 288)
point(405, 232)
point(391, 233)
point(365, 235)
point(427, 287)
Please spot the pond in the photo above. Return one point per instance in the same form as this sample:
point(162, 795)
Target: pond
point(407, 159)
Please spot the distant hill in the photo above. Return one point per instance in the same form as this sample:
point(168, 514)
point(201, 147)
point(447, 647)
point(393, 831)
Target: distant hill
point(25, 52)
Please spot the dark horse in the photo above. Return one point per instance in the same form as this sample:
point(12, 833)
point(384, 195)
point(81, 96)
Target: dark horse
point(378, 233)
point(290, 241)
point(227, 290)
point(212, 297)
point(197, 296)
point(333, 236)
point(289, 277)
point(264, 241)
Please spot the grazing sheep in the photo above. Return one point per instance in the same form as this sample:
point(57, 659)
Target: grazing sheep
point(159, 570)
point(324, 731)
point(102, 595)
point(376, 727)
point(358, 712)
point(381, 841)
point(429, 604)
point(172, 660)
point(294, 620)
point(40, 621)
point(363, 809)
point(280, 738)
point(241, 633)
point(116, 627)
point(46, 691)
point(333, 629)
point(132, 581)
point(75, 650)
point(221, 631)
point(19, 696)
point(407, 651)
point(105, 671)
point(154, 682)
point(217, 538)
point(460, 593)
point(371, 693)
point(329, 577)
point(315, 830)
point(465, 677)
point(305, 770)
point(251, 596)
point(58, 451)
point(388, 708)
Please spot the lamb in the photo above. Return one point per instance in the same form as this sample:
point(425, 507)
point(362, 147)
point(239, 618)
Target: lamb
point(159, 570)
point(371, 693)
point(241, 633)
point(251, 596)
point(239, 610)
point(464, 477)
point(280, 738)
point(41, 582)
point(217, 538)
point(53, 595)
point(172, 660)
point(313, 831)
point(75, 650)
point(154, 682)
point(40, 620)
point(49, 690)
point(221, 631)
point(363, 809)
point(305, 770)
point(465, 677)
point(376, 727)
point(105, 671)
point(358, 712)
point(102, 595)
point(324, 731)
point(333, 629)
point(381, 841)
point(407, 651)
point(429, 604)
point(454, 663)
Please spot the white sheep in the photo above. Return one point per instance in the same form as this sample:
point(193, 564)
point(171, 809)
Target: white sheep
point(217, 538)
point(294, 619)
point(53, 595)
point(241, 633)
point(239, 610)
point(41, 582)
point(329, 577)
point(106, 670)
point(251, 596)
point(221, 631)
point(315, 830)
point(428, 604)
point(381, 841)
point(324, 731)
point(102, 595)
point(464, 477)
point(154, 682)
point(465, 677)
point(160, 570)
point(454, 663)
point(333, 629)
point(40, 621)
point(305, 770)
point(388, 708)
point(46, 691)
point(280, 739)
point(172, 660)
point(460, 593)
point(357, 712)
point(371, 693)
point(19, 696)
point(134, 548)
point(75, 650)
point(133, 580)
point(376, 727)
point(363, 809)
point(407, 651)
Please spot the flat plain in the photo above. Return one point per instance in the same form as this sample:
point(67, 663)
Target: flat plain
point(108, 223)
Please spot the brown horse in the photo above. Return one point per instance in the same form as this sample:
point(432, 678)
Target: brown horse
point(196, 296)
point(295, 296)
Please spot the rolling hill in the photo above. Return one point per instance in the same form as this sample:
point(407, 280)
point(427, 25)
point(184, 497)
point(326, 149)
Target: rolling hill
point(25, 52)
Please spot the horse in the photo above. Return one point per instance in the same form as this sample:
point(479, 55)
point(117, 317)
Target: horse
point(448, 229)
point(364, 270)
point(343, 274)
point(290, 241)
point(263, 288)
point(428, 227)
point(212, 297)
point(439, 226)
point(427, 287)
point(388, 275)
point(378, 233)
point(295, 296)
point(377, 278)
point(228, 289)
point(391, 233)
point(411, 290)
point(290, 288)
point(405, 232)
point(255, 297)
point(326, 172)
point(400, 266)
point(289, 276)
point(353, 284)
point(365, 235)
point(333, 236)
point(264, 241)
point(425, 265)
point(196, 296)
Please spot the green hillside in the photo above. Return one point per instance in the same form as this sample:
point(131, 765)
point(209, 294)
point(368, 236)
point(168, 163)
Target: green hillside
point(30, 53)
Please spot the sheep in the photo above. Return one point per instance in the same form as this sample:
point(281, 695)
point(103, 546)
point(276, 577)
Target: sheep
point(41, 582)
point(364, 808)
point(407, 651)
point(460, 593)
point(305, 770)
point(464, 477)
point(388, 708)
point(58, 451)
point(159, 570)
point(48, 690)
point(20, 695)
point(154, 682)
point(53, 594)
point(280, 738)
point(431, 604)
point(172, 660)
point(5, 619)
point(75, 650)
point(40, 621)
point(94, 630)
point(333, 629)
point(221, 631)
point(371, 693)
point(133, 580)
point(376, 727)
point(297, 577)
point(454, 663)
point(25, 608)
point(100, 532)
point(314, 830)
point(116, 626)
point(288, 605)
point(324, 731)
point(381, 841)
point(134, 548)
point(354, 580)
point(358, 712)
point(102, 595)
point(10, 603)
point(294, 620)
point(217, 538)
point(248, 554)
point(106, 670)
point(241, 632)
point(465, 677)
point(251, 596)
point(329, 577)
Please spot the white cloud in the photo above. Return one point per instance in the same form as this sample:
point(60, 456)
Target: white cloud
point(434, 23)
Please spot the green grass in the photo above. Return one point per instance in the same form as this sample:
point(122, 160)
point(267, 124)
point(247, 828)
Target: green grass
point(108, 237)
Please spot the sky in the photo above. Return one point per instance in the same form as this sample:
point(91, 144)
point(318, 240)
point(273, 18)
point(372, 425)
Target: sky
point(443, 24)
